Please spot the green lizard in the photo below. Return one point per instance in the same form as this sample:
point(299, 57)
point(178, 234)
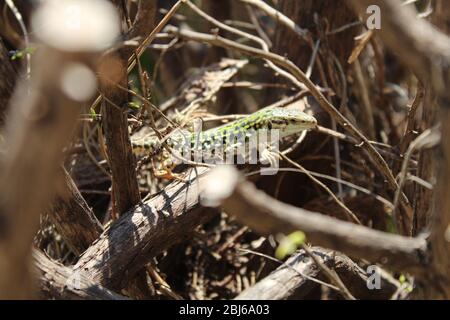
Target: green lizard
point(232, 135)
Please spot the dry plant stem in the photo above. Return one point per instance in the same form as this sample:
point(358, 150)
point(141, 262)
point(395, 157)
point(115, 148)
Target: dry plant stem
point(278, 16)
point(439, 280)
point(426, 168)
point(266, 216)
point(87, 147)
point(149, 39)
point(164, 286)
point(260, 41)
point(363, 40)
point(332, 178)
point(145, 43)
point(410, 124)
point(145, 19)
point(145, 231)
point(364, 143)
point(350, 215)
point(59, 282)
point(254, 20)
point(125, 187)
point(367, 106)
point(343, 105)
point(428, 138)
point(349, 139)
point(73, 218)
point(291, 280)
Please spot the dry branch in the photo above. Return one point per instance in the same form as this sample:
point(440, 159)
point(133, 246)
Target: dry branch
point(266, 216)
point(144, 232)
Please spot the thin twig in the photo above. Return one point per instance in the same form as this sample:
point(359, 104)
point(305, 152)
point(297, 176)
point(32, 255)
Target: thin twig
point(254, 38)
point(278, 16)
point(344, 182)
point(284, 264)
point(428, 138)
point(348, 212)
point(331, 275)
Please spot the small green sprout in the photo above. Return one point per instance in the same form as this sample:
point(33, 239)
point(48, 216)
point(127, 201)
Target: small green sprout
point(92, 113)
point(289, 244)
point(134, 105)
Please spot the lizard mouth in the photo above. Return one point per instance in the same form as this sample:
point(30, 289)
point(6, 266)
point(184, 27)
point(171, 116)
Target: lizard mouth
point(308, 122)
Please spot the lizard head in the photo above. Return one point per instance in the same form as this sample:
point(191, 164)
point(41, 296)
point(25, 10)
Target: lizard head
point(289, 121)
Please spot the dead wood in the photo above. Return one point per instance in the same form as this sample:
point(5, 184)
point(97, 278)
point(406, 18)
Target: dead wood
point(296, 277)
point(144, 232)
point(60, 282)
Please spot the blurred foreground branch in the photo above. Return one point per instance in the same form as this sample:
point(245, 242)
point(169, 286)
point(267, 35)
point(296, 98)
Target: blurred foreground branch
point(266, 215)
point(42, 118)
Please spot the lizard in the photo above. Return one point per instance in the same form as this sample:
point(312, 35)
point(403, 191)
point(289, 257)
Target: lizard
point(229, 136)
